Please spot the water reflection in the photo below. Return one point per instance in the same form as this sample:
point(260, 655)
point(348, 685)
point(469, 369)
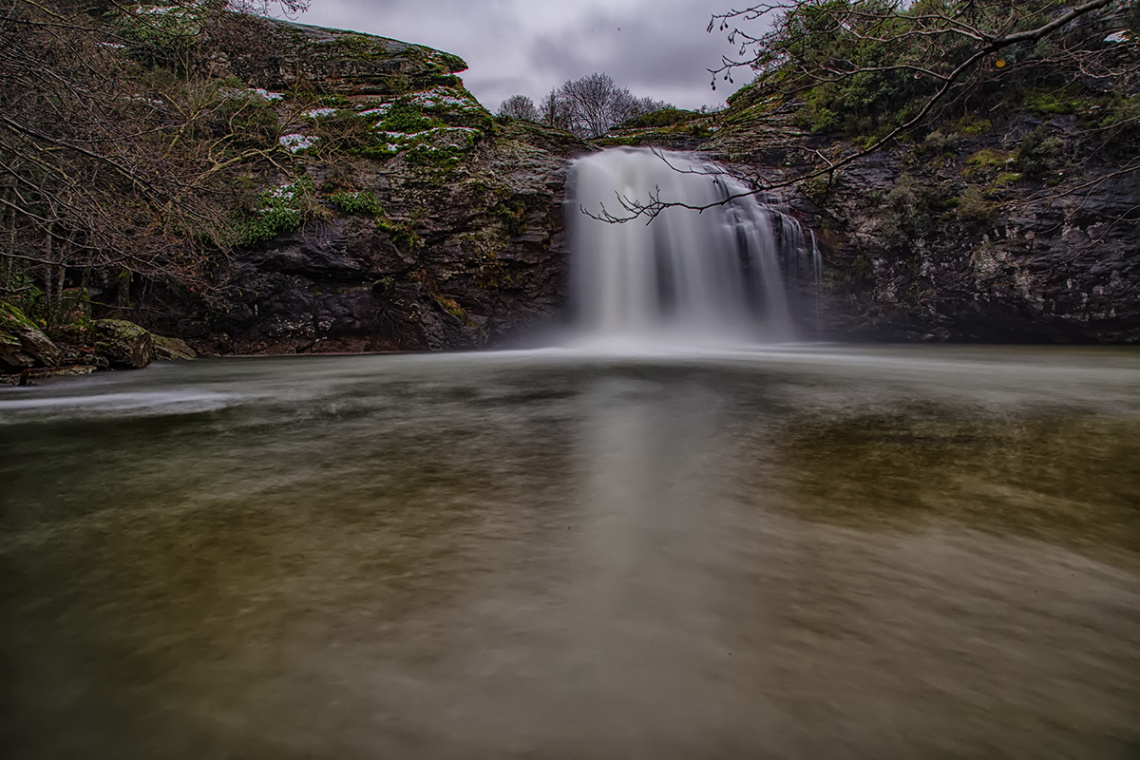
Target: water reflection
point(795, 555)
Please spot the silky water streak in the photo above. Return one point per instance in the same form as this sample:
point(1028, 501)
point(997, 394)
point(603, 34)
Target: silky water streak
point(724, 275)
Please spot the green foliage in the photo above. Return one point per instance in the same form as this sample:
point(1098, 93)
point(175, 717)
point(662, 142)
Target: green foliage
point(1040, 154)
point(863, 95)
point(269, 224)
point(362, 203)
point(861, 68)
point(911, 209)
point(406, 118)
point(974, 208)
point(513, 215)
point(335, 100)
point(432, 157)
point(939, 144)
point(279, 212)
point(664, 117)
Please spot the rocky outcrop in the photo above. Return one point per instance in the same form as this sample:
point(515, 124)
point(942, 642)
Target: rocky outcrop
point(403, 215)
point(80, 347)
point(278, 55)
point(461, 259)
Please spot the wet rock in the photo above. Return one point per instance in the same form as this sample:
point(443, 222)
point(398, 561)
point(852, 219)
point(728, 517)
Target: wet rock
point(22, 343)
point(123, 343)
point(171, 349)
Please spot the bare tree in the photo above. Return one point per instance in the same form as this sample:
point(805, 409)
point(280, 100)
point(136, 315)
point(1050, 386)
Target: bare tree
point(594, 104)
point(519, 107)
point(553, 111)
point(107, 165)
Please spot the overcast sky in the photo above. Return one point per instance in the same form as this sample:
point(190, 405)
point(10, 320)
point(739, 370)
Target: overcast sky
point(656, 48)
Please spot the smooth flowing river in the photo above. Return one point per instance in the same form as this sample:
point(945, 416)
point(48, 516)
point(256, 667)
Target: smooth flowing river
point(815, 552)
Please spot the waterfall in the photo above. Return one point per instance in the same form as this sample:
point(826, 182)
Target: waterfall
point(723, 275)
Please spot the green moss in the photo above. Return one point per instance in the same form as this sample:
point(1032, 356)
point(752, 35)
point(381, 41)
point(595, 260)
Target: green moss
point(1003, 179)
point(359, 47)
point(973, 126)
point(270, 224)
point(12, 322)
point(359, 203)
point(452, 307)
point(1055, 103)
point(987, 161)
point(121, 329)
point(334, 101)
point(403, 234)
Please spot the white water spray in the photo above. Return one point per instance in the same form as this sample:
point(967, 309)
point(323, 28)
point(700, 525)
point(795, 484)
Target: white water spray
point(711, 278)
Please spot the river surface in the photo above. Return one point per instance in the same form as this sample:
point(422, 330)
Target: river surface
point(812, 552)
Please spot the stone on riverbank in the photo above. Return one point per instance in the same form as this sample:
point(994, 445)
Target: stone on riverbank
point(171, 349)
point(22, 343)
point(124, 343)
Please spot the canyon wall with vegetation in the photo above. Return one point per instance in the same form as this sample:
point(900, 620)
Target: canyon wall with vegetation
point(345, 192)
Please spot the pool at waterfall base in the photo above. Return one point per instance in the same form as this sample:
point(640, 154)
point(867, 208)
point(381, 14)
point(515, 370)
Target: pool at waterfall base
point(785, 552)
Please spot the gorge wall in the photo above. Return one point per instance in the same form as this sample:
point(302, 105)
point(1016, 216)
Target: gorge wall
point(426, 224)
point(1010, 225)
point(403, 217)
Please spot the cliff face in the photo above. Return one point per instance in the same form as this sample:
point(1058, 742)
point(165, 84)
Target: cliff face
point(1002, 227)
point(462, 257)
point(401, 215)
point(404, 217)
point(1018, 261)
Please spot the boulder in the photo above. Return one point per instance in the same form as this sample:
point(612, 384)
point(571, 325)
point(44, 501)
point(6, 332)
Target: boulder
point(22, 343)
point(123, 343)
point(172, 349)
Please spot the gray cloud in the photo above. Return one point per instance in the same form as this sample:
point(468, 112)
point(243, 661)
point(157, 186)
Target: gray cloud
point(656, 48)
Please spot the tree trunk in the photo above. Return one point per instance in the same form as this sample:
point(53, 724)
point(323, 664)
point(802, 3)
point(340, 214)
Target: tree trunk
point(123, 290)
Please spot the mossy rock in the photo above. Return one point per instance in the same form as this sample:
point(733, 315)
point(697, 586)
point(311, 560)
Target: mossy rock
point(22, 343)
point(124, 343)
point(172, 349)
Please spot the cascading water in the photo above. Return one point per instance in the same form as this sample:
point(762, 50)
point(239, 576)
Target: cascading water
point(718, 276)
